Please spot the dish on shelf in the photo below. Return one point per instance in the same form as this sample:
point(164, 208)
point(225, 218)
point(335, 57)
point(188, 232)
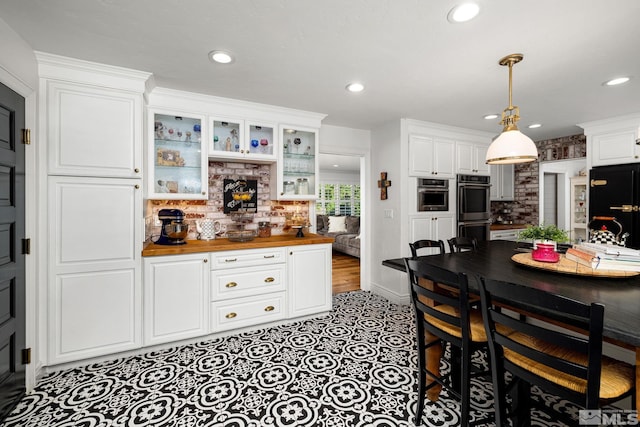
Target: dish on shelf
point(241, 235)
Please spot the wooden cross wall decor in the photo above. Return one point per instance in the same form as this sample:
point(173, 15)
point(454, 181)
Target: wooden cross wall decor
point(383, 183)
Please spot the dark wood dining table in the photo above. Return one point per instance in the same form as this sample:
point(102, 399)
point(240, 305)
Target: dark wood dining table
point(492, 259)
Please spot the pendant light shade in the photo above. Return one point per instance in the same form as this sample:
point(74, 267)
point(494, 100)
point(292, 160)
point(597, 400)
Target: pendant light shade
point(511, 146)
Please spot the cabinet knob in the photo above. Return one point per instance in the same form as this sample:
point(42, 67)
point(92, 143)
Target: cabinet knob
point(282, 194)
point(203, 193)
point(231, 315)
point(205, 260)
point(269, 308)
point(137, 170)
point(269, 280)
point(231, 285)
point(136, 186)
point(290, 253)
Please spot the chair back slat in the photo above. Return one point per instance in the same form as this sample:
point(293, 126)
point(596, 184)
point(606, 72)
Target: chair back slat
point(460, 244)
point(424, 243)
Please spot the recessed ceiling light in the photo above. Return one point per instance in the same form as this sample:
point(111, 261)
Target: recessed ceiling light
point(491, 116)
point(355, 87)
point(534, 126)
point(335, 166)
point(617, 81)
point(220, 56)
point(463, 12)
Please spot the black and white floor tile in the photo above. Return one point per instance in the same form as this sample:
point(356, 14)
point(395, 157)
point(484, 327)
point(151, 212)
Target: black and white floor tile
point(355, 367)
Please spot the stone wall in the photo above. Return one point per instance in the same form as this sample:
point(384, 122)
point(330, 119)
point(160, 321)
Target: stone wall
point(524, 208)
point(269, 210)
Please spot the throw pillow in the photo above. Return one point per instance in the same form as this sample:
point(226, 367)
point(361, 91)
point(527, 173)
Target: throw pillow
point(337, 224)
point(353, 224)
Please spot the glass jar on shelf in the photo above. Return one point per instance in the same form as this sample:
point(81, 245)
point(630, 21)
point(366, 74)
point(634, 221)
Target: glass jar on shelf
point(302, 186)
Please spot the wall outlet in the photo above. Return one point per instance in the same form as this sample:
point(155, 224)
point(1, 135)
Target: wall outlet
point(388, 213)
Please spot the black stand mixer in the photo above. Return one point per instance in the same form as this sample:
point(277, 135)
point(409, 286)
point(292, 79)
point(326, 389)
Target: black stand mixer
point(174, 230)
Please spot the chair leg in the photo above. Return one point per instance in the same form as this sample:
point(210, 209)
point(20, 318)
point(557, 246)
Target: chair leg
point(422, 380)
point(522, 404)
point(464, 382)
point(457, 371)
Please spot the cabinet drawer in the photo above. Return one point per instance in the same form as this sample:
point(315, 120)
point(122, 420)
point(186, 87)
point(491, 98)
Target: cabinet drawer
point(505, 235)
point(241, 312)
point(244, 282)
point(247, 258)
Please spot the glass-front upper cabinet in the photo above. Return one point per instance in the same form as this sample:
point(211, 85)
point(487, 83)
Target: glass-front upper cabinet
point(239, 140)
point(579, 208)
point(298, 172)
point(178, 157)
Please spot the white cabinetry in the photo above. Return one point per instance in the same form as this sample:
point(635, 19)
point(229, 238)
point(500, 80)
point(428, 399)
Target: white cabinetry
point(176, 297)
point(471, 158)
point(92, 121)
point(298, 164)
point(578, 208)
point(440, 226)
point(239, 139)
point(95, 280)
point(247, 288)
point(613, 141)
point(431, 156)
point(510, 234)
point(93, 131)
point(177, 162)
point(309, 279)
point(502, 182)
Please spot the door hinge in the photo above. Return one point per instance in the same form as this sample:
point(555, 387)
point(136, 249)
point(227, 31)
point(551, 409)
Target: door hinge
point(26, 356)
point(26, 136)
point(26, 246)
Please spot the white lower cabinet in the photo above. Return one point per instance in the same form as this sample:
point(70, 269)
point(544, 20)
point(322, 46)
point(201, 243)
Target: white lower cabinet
point(436, 226)
point(176, 297)
point(241, 312)
point(247, 288)
point(95, 280)
point(309, 279)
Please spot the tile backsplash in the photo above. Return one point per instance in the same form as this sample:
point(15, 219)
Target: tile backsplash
point(272, 211)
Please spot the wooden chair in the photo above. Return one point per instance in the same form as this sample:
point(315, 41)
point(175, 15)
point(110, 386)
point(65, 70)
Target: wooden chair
point(445, 317)
point(459, 244)
point(549, 353)
point(419, 244)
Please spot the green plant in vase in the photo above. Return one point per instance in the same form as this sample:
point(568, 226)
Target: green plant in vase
point(545, 239)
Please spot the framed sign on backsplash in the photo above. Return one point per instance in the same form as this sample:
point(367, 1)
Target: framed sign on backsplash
point(240, 195)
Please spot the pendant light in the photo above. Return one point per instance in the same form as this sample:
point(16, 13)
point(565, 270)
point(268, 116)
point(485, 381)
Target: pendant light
point(511, 146)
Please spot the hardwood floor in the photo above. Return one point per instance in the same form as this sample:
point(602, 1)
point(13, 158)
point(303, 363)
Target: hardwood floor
point(346, 273)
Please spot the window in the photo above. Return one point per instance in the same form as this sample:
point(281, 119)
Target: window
point(339, 199)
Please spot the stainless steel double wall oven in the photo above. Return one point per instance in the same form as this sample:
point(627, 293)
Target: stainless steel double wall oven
point(474, 206)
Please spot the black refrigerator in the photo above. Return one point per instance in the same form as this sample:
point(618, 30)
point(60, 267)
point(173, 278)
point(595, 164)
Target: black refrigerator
point(614, 191)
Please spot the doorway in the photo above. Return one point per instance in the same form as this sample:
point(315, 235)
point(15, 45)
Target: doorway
point(341, 178)
point(12, 262)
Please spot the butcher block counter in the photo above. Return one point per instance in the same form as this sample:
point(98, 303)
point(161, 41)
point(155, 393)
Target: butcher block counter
point(197, 246)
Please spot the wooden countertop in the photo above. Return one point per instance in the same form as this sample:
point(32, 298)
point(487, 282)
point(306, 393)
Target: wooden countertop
point(196, 246)
point(495, 227)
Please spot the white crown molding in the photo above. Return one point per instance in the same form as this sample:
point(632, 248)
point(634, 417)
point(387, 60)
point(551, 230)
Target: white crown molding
point(58, 67)
point(626, 122)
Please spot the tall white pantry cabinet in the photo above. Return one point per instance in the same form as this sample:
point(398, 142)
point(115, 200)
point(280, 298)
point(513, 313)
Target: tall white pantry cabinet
point(91, 128)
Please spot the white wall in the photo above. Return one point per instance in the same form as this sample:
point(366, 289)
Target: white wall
point(19, 72)
point(332, 176)
point(385, 238)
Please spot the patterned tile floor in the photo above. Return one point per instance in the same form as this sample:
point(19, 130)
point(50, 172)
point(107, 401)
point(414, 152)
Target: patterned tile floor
point(355, 367)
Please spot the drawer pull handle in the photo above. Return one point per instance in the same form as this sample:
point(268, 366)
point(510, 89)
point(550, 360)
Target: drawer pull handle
point(231, 315)
point(269, 308)
point(231, 260)
point(269, 280)
point(231, 285)
point(269, 256)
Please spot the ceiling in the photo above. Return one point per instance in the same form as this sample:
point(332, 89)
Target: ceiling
point(413, 62)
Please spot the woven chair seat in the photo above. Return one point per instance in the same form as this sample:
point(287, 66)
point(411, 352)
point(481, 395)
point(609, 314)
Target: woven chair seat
point(478, 333)
point(617, 377)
